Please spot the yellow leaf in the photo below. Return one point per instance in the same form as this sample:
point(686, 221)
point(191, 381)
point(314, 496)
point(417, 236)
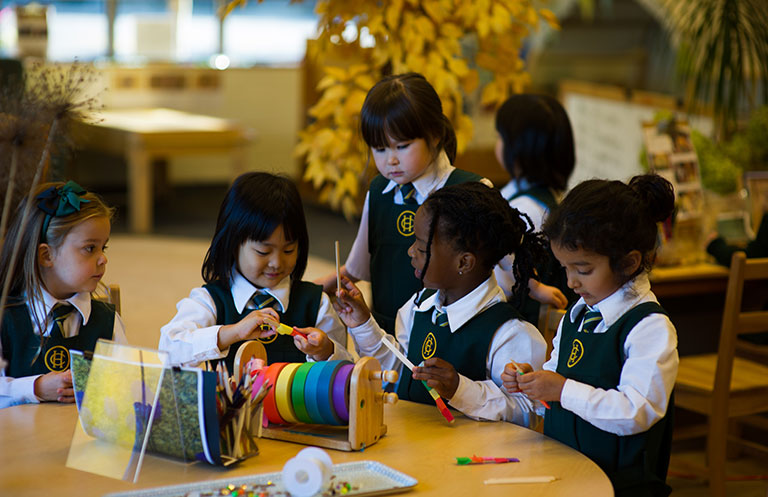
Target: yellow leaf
point(339, 73)
point(433, 10)
point(392, 13)
point(500, 18)
point(550, 18)
point(325, 82)
point(450, 30)
point(365, 81)
point(489, 93)
point(471, 81)
point(458, 67)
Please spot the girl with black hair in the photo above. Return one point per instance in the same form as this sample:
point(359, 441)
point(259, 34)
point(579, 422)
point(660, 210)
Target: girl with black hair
point(413, 145)
point(252, 273)
point(459, 326)
point(610, 377)
point(535, 146)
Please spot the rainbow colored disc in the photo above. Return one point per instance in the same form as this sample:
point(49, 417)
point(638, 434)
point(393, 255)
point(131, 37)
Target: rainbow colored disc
point(324, 391)
point(297, 392)
point(311, 384)
point(283, 392)
point(270, 405)
point(341, 392)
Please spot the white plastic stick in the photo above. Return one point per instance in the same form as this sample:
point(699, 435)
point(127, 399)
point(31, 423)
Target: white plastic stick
point(520, 479)
point(391, 346)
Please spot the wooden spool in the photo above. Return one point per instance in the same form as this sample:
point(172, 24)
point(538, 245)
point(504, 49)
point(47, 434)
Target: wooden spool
point(366, 407)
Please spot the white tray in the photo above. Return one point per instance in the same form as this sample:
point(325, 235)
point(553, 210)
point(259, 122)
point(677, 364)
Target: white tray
point(364, 477)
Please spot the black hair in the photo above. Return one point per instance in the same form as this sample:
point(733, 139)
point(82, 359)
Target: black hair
point(406, 107)
point(612, 218)
point(538, 140)
point(253, 207)
point(475, 218)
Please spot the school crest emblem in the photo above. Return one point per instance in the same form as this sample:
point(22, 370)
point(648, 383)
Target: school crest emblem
point(405, 223)
point(429, 347)
point(57, 358)
point(577, 350)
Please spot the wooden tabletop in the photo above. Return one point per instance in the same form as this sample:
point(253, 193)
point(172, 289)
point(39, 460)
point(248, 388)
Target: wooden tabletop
point(35, 439)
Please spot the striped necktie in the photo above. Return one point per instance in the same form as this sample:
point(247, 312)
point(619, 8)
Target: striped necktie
point(408, 191)
point(261, 300)
point(591, 320)
point(59, 313)
point(440, 318)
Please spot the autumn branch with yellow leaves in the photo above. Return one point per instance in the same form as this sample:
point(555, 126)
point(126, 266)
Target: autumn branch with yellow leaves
point(390, 37)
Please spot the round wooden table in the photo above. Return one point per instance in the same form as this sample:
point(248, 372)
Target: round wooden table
point(35, 439)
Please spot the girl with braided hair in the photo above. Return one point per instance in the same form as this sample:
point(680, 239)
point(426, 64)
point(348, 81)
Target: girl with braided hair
point(459, 327)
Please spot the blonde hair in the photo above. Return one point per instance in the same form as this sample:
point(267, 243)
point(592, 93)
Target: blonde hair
point(25, 273)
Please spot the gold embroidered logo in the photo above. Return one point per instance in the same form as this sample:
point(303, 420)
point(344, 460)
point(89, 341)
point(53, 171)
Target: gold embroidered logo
point(405, 223)
point(270, 339)
point(57, 358)
point(429, 347)
point(577, 350)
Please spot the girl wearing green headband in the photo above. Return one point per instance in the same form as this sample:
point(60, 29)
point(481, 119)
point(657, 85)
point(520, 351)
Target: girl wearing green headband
point(50, 309)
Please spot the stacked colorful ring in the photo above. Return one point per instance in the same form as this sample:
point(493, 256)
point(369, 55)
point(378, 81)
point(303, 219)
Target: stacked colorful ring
point(297, 392)
point(270, 404)
point(283, 392)
point(341, 392)
point(311, 385)
point(324, 391)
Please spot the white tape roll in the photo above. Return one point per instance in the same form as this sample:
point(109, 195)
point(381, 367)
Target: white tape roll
point(308, 473)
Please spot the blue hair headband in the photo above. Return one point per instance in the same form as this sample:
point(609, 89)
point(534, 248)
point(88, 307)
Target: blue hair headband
point(58, 201)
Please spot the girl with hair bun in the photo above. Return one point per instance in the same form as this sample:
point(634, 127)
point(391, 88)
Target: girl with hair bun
point(613, 366)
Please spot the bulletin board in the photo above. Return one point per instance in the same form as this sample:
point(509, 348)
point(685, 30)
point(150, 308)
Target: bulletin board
point(607, 126)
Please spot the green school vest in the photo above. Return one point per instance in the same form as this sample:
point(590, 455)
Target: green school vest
point(21, 344)
point(302, 312)
point(390, 233)
point(550, 272)
point(466, 348)
point(636, 464)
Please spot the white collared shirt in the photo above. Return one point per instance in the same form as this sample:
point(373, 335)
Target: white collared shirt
point(191, 337)
point(525, 203)
point(648, 374)
point(434, 177)
point(22, 390)
point(514, 340)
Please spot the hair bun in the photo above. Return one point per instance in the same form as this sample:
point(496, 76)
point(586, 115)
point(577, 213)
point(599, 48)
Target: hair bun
point(657, 194)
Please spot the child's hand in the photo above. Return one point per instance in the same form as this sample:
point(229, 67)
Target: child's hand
point(438, 374)
point(55, 387)
point(510, 375)
point(546, 294)
point(542, 385)
point(350, 304)
point(249, 328)
point(317, 345)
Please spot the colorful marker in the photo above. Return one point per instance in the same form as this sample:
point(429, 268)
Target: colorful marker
point(284, 329)
point(440, 404)
point(462, 461)
point(520, 372)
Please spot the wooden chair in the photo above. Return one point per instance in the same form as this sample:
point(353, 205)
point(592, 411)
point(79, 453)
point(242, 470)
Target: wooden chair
point(722, 386)
point(549, 320)
point(109, 294)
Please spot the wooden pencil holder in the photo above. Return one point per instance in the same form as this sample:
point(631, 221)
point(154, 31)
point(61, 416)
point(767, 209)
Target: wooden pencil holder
point(366, 407)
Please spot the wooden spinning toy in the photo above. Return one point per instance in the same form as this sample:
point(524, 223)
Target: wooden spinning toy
point(333, 404)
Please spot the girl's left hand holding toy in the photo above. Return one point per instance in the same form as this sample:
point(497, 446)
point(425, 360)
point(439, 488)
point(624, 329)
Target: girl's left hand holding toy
point(439, 374)
point(542, 385)
point(350, 304)
point(248, 328)
point(317, 345)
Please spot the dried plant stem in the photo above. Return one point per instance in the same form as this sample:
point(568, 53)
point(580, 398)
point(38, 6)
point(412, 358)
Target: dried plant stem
point(8, 192)
point(25, 219)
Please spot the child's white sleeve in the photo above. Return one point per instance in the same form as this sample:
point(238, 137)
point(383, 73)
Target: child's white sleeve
point(191, 337)
point(14, 391)
point(515, 340)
